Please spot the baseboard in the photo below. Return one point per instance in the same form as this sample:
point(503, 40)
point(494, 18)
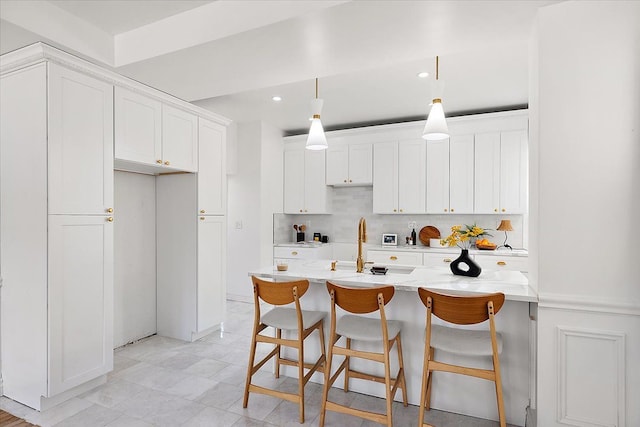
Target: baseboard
point(50, 402)
point(531, 419)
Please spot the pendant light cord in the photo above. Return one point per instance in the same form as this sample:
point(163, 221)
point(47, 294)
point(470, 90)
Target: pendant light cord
point(437, 60)
point(316, 88)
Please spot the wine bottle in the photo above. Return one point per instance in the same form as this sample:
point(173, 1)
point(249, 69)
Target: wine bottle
point(413, 236)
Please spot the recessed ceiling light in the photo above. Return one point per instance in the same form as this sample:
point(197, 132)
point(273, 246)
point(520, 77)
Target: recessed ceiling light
point(277, 98)
point(423, 74)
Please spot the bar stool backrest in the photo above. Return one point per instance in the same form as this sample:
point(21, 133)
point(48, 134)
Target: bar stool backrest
point(279, 293)
point(461, 310)
point(360, 300)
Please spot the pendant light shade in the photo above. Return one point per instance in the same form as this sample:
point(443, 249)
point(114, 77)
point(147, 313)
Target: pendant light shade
point(436, 127)
point(316, 139)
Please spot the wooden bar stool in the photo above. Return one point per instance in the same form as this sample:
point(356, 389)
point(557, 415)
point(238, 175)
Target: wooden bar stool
point(362, 301)
point(461, 310)
point(288, 319)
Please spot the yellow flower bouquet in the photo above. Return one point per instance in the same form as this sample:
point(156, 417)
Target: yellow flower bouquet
point(464, 237)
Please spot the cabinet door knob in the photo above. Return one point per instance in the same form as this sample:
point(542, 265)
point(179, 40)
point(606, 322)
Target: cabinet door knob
point(110, 210)
point(350, 181)
point(201, 218)
point(394, 210)
point(393, 258)
point(495, 210)
point(167, 162)
point(501, 263)
point(504, 210)
point(201, 210)
point(345, 180)
point(305, 210)
point(446, 260)
point(159, 161)
point(294, 253)
point(300, 210)
point(451, 209)
point(110, 219)
point(445, 210)
point(401, 210)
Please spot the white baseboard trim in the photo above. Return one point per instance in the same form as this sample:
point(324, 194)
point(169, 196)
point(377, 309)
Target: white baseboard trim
point(591, 304)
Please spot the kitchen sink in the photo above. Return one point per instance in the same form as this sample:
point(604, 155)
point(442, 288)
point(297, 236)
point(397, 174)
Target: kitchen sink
point(391, 269)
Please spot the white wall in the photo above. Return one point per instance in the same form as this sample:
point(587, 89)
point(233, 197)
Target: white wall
point(134, 257)
point(254, 194)
point(585, 119)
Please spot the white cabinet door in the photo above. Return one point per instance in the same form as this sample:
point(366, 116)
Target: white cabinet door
point(315, 187)
point(461, 158)
point(138, 127)
point(513, 172)
point(395, 257)
point(294, 182)
point(179, 139)
point(438, 176)
point(411, 176)
point(487, 173)
point(211, 271)
point(212, 173)
point(80, 143)
point(360, 163)
point(80, 300)
point(385, 177)
point(338, 165)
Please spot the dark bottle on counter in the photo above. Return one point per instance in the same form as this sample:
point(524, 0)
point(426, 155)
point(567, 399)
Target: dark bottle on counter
point(413, 236)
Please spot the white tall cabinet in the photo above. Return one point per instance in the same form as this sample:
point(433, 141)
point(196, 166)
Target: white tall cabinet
point(57, 232)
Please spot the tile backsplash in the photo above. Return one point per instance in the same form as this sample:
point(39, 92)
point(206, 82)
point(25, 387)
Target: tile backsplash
point(351, 203)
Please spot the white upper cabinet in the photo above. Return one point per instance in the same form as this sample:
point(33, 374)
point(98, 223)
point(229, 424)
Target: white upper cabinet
point(399, 177)
point(350, 164)
point(138, 127)
point(461, 151)
point(305, 189)
point(513, 172)
point(450, 175)
point(179, 139)
point(151, 136)
point(80, 143)
point(212, 174)
point(385, 177)
point(438, 176)
point(501, 172)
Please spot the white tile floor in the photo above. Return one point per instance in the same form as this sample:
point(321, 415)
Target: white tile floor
point(165, 382)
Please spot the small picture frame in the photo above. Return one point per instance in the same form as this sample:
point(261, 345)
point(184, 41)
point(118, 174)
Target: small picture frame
point(389, 239)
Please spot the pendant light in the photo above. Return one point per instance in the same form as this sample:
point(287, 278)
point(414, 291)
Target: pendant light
point(436, 127)
point(316, 139)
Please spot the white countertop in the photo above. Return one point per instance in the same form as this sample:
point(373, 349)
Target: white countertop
point(513, 284)
point(453, 249)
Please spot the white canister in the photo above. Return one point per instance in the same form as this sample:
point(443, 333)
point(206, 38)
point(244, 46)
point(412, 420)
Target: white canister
point(435, 243)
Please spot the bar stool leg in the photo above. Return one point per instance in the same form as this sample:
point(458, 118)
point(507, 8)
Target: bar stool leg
point(252, 356)
point(424, 388)
point(403, 382)
point(327, 379)
point(387, 383)
point(346, 371)
point(301, 378)
point(430, 375)
point(278, 348)
point(498, 383)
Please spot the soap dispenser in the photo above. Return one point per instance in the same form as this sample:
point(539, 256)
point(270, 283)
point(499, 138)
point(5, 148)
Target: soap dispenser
point(413, 236)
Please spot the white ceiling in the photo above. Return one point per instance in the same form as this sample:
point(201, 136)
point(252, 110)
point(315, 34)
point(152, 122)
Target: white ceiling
point(233, 56)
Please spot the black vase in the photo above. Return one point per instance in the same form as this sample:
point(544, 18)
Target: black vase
point(464, 266)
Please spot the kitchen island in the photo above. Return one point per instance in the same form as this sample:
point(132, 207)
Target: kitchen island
point(453, 393)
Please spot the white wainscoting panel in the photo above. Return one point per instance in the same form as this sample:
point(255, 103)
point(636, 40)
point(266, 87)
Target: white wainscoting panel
point(591, 380)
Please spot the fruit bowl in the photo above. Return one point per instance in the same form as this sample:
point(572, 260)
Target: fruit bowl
point(486, 247)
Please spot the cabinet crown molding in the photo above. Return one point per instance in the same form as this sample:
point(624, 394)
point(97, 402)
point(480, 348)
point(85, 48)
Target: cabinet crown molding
point(42, 52)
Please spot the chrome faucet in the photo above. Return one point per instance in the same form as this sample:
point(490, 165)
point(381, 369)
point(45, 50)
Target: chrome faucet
point(362, 237)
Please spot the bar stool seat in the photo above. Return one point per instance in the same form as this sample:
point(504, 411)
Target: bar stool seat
point(287, 318)
point(463, 341)
point(365, 329)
